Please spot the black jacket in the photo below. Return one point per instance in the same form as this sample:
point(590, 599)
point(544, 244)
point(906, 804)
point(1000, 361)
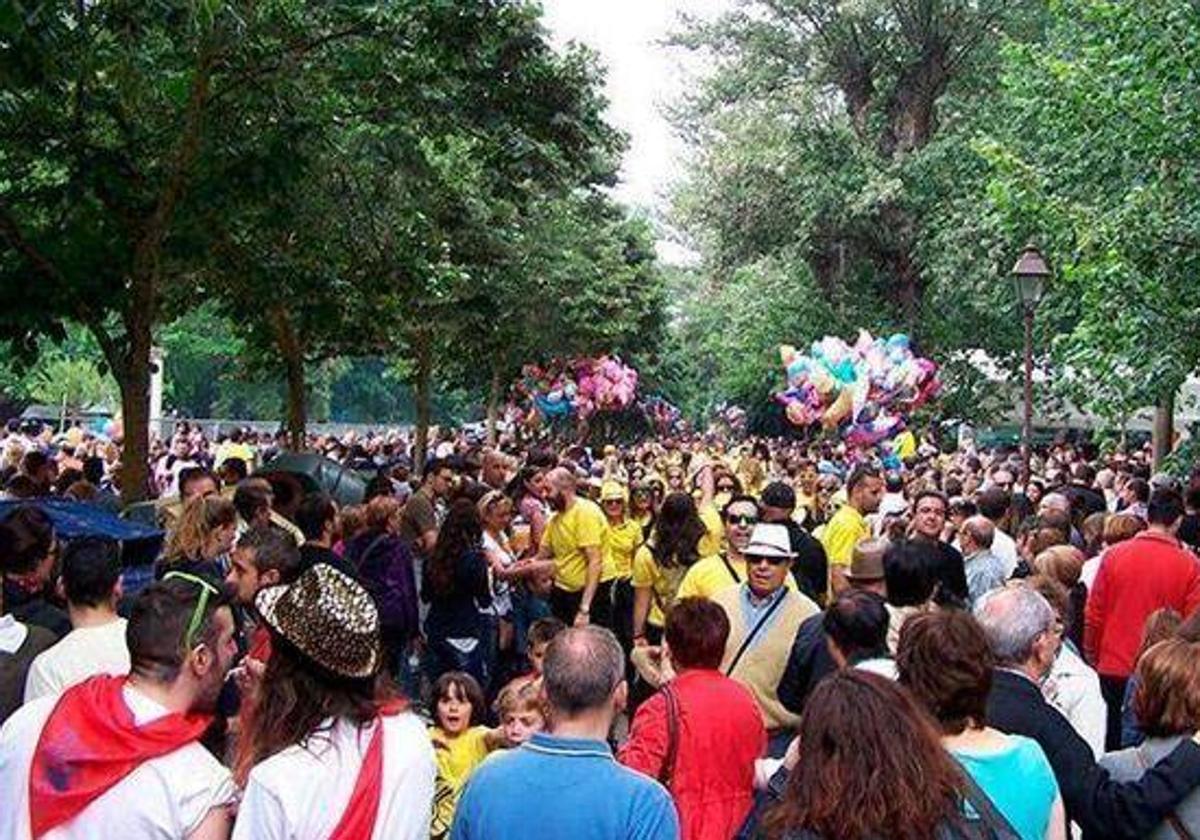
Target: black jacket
point(808, 663)
point(949, 570)
point(810, 568)
point(1102, 807)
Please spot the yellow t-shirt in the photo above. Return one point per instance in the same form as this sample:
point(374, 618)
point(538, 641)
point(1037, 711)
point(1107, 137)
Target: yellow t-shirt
point(843, 531)
point(712, 541)
point(457, 757)
point(710, 575)
point(619, 548)
point(664, 583)
point(567, 534)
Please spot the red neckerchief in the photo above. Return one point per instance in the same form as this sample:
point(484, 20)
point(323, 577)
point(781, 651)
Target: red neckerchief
point(260, 643)
point(358, 820)
point(89, 743)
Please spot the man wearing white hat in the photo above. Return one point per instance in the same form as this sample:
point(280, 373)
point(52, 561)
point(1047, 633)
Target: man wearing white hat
point(764, 616)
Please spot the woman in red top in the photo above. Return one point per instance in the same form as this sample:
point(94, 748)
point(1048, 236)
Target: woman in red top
point(701, 734)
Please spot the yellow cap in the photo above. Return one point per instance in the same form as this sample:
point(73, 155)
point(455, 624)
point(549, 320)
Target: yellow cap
point(610, 490)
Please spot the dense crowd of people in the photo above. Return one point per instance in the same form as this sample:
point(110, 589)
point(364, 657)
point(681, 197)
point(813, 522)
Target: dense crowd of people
point(686, 637)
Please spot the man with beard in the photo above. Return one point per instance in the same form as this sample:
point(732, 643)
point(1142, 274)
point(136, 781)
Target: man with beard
point(120, 755)
point(848, 527)
point(574, 539)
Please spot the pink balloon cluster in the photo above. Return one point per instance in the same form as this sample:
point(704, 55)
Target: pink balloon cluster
point(580, 387)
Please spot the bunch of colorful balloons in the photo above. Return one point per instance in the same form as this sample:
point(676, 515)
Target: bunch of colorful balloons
point(578, 387)
point(865, 390)
point(664, 417)
point(733, 417)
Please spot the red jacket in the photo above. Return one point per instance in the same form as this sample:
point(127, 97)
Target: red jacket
point(720, 736)
point(1136, 577)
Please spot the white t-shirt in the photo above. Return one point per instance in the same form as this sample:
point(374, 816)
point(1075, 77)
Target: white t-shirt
point(501, 591)
point(82, 653)
point(166, 797)
point(1004, 547)
point(301, 793)
point(12, 634)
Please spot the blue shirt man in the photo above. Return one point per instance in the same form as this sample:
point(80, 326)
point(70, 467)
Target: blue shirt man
point(566, 784)
point(554, 787)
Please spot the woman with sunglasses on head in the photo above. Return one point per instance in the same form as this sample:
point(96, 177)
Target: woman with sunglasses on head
point(642, 507)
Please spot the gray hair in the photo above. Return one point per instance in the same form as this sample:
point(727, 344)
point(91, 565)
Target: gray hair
point(1012, 618)
point(583, 667)
point(1055, 501)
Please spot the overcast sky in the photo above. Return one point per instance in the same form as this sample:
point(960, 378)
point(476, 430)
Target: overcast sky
point(642, 75)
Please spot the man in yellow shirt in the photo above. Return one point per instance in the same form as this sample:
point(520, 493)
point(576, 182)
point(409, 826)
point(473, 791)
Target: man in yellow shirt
point(715, 572)
point(864, 489)
point(574, 540)
point(709, 575)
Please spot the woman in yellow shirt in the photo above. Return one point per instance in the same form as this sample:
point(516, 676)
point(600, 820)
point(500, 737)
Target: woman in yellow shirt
point(621, 541)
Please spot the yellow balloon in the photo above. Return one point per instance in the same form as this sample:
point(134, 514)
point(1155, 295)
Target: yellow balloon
point(840, 409)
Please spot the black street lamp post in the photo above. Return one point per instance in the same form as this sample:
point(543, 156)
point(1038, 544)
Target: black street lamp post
point(1030, 275)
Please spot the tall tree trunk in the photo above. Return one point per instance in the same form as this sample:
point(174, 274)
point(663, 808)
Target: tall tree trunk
point(141, 313)
point(894, 256)
point(495, 392)
point(1164, 429)
point(292, 352)
point(423, 382)
point(133, 378)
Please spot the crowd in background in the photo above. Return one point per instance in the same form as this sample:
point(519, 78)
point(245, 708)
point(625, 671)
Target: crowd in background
point(770, 637)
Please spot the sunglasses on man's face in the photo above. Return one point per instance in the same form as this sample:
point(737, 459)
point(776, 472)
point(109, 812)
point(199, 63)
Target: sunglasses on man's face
point(743, 520)
point(725, 488)
point(755, 559)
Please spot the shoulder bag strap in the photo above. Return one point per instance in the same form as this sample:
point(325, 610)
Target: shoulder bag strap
point(754, 631)
point(1171, 819)
point(729, 568)
point(374, 544)
point(987, 810)
point(668, 768)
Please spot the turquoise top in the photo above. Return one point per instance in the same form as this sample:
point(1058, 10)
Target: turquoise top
point(1019, 781)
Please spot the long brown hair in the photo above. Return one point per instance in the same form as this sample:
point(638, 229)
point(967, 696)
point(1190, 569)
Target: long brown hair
point(295, 695)
point(677, 532)
point(199, 518)
point(461, 533)
point(873, 766)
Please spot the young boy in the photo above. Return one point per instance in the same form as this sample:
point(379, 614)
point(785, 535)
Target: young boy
point(521, 712)
point(541, 633)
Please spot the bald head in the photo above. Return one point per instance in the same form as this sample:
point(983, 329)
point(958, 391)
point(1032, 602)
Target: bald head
point(976, 534)
point(584, 666)
point(561, 478)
